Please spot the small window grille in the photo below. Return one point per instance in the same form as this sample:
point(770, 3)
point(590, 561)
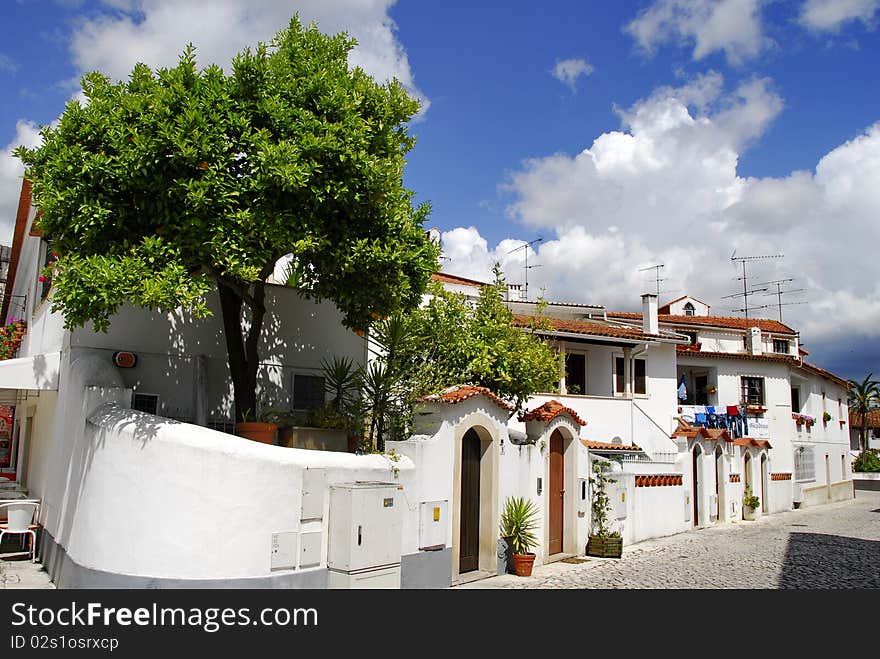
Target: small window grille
point(148, 403)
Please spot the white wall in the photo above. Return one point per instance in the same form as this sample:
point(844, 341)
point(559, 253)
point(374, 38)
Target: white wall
point(297, 334)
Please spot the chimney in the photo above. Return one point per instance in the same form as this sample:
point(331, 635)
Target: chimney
point(650, 324)
point(755, 340)
point(514, 292)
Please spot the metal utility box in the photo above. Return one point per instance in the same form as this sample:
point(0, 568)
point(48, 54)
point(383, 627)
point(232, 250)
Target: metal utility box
point(583, 496)
point(364, 546)
point(687, 505)
point(283, 554)
point(433, 523)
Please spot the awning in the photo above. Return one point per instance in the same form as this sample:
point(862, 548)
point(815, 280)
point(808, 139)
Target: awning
point(39, 372)
point(748, 441)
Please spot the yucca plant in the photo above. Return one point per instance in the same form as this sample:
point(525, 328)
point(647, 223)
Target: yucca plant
point(518, 524)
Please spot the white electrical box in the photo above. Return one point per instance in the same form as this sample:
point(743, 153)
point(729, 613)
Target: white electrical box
point(687, 505)
point(284, 550)
point(582, 495)
point(314, 484)
point(309, 549)
point(713, 506)
point(365, 526)
point(433, 522)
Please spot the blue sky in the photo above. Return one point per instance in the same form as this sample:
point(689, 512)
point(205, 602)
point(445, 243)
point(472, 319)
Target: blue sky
point(624, 134)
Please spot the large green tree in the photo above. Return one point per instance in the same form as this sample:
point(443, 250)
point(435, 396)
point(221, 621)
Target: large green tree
point(864, 397)
point(180, 181)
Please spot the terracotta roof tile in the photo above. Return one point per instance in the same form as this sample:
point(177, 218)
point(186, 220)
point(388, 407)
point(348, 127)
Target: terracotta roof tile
point(692, 432)
point(549, 411)
point(456, 394)
point(726, 322)
point(455, 279)
point(749, 441)
point(588, 328)
point(608, 445)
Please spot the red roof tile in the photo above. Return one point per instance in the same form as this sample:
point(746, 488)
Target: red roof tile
point(588, 328)
point(749, 441)
point(692, 432)
point(459, 393)
point(454, 279)
point(549, 411)
point(726, 322)
point(608, 445)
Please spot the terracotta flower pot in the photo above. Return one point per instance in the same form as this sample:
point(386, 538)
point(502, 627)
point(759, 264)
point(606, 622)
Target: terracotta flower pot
point(258, 431)
point(522, 564)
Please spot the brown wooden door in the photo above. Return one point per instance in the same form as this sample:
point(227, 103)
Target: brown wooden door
point(469, 540)
point(556, 493)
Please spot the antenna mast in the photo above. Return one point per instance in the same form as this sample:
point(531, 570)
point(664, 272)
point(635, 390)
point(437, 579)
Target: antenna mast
point(779, 292)
point(745, 293)
point(526, 246)
point(657, 275)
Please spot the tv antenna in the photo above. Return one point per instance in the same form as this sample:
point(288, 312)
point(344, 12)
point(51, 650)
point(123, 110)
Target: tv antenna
point(779, 293)
point(526, 246)
point(656, 275)
point(744, 260)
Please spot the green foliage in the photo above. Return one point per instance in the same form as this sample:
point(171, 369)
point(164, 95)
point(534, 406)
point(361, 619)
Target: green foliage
point(161, 188)
point(750, 500)
point(519, 521)
point(867, 461)
point(455, 342)
point(600, 503)
point(863, 397)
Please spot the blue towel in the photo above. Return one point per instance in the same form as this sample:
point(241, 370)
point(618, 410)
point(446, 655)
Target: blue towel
point(701, 418)
point(710, 409)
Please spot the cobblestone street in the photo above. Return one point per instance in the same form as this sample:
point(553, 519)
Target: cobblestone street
point(831, 546)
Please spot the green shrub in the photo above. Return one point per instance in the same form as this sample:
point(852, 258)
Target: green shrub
point(867, 461)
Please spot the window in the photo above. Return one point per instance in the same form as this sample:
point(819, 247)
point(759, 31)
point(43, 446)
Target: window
point(639, 379)
point(795, 399)
point(148, 403)
point(692, 336)
point(44, 285)
point(575, 373)
point(781, 346)
point(745, 343)
point(752, 390)
point(804, 468)
point(689, 309)
point(308, 392)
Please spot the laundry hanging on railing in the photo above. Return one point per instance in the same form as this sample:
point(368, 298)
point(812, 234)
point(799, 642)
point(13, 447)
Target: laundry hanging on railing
point(732, 418)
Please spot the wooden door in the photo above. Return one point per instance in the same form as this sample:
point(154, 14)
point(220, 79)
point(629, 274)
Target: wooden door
point(556, 493)
point(469, 538)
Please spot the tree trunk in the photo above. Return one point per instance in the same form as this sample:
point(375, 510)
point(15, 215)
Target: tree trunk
point(241, 347)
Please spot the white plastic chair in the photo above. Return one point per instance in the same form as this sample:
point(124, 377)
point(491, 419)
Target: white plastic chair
point(20, 519)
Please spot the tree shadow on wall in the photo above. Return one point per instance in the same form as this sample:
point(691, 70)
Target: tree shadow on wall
point(820, 561)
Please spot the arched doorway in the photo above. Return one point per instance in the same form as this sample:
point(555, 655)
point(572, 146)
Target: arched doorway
point(764, 507)
point(719, 489)
point(747, 473)
point(696, 480)
point(555, 494)
point(469, 523)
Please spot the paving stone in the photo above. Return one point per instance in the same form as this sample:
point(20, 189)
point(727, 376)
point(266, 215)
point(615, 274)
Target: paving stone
point(834, 546)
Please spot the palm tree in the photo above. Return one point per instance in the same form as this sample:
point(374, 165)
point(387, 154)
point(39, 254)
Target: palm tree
point(864, 397)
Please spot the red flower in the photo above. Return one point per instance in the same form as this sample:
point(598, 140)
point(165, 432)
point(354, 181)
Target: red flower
point(41, 278)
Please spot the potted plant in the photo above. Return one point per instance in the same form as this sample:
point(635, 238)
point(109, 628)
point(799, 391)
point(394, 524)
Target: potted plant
point(826, 417)
point(603, 542)
point(519, 521)
point(711, 389)
point(750, 505)
point(263, 429)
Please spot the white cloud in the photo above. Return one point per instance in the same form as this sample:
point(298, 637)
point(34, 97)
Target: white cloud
point(731, 26)
point(831, 14)
point(665, 189)
point(567, 71)
point(11, 170)
point(156, 31)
